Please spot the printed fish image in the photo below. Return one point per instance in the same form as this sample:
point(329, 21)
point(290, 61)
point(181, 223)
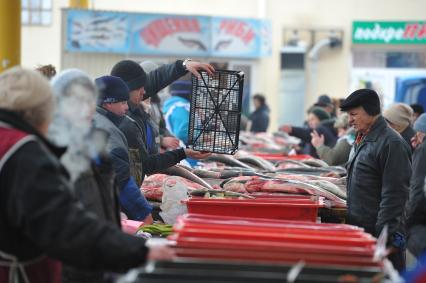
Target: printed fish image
point(223, 44)
point(192, 43)
point(98, 32)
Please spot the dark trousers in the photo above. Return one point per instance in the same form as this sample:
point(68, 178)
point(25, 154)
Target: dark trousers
point(398, 260)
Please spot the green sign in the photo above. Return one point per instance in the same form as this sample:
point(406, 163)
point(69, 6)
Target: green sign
point(389, 33)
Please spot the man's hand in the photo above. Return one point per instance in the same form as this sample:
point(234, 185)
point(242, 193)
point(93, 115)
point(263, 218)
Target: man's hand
point(286, 128)
point(316, 139)
point(196, 154)
point(148, 220)
point(194, 66)
point(170, 142)
point(161, 252)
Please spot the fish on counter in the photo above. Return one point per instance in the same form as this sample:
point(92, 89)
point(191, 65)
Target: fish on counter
point(289, 163)
point(256, 161)
point(181, 171)
point(228, 160)
point(258, 184)
point(152, 186)
point(313, 162)
point(319, 171)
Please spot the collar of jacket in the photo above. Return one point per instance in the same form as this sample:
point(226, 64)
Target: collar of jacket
point(115, 119)
point(376, 130)
point(137, 110)
point(15, 120)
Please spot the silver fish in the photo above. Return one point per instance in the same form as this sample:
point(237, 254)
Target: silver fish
point(228, 160)
point(178, 170)
point(259, 162)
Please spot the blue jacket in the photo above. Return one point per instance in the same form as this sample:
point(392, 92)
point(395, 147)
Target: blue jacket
point(260, 119)
point(132, 201)
point(176, 113)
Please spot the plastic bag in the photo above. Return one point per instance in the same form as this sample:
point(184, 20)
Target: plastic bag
point(174, 192)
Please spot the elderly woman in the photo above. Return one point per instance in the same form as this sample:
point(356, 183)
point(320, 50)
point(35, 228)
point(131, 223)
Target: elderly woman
point(339, 154)
point(41, 222)
point(399, 117)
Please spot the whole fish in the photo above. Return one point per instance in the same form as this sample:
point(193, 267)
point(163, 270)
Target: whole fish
point(178, 170)
point(285, 164)
point(314, 171)
point(228, 160)
point(258, 162)
point(315, 162)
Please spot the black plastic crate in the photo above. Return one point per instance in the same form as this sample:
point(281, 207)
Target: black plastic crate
point(214, 121)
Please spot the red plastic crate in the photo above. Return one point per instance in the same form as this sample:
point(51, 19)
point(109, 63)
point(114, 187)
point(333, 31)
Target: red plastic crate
point(257, 209)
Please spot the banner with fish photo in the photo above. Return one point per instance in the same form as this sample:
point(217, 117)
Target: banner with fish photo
point(91, 31)
point(233, 37)
point(171, 35)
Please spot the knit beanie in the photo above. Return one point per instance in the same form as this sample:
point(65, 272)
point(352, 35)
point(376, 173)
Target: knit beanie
point(320, 113)
point(181, 88)
point(23, 89)
point(111, 90)
point(399, 114)
point(420, 124)
point(131, 73)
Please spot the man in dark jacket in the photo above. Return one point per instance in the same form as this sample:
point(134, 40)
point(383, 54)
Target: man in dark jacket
point(319, 121)
point(134, 126)
point(416, 206)
point(379, 170)
point(40, 219)
point(111, 111)
point(260, 117)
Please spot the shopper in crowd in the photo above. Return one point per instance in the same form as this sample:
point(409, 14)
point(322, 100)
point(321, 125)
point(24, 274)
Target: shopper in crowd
point(176, 109)
point(318, 120)
point(138, 127)
point(339, 154)
point(166, 139)
point(399, 117)
point(259, 118)
point(85, 159)
point(418, 110)
point(48, 71)
point(110, 113)
point(379, 171)
point(325, 102)
point(41, 222)
point(416, 206)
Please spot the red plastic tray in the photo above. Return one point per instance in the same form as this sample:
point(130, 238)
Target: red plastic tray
point(276, 257)
point(256, 209)
point(256, 245)
point(205, 218)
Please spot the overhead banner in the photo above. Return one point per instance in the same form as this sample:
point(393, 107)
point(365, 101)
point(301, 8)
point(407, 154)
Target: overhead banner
point(155, 34)
point(389, 33)
point(171, 35)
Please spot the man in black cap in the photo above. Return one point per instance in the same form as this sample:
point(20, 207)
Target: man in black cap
point(379, 171)
point(136, 125)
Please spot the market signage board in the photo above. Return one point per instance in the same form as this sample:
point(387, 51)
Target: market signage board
point(161, 34)
point(389, 32)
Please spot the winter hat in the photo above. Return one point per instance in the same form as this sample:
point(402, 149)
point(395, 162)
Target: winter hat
point(131, 73)
point(149, 66)
point(420, 124)
point(399, 114)
point(342, 121)
point(111, 90)
point(181, 88)
point(320, 113)
point(23, 89)
point(75, 97)
point(324, 100)
point(367, 98)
